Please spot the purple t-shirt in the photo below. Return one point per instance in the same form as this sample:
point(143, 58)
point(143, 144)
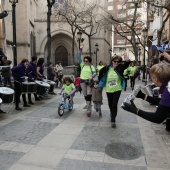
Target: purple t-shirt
point(165, 99)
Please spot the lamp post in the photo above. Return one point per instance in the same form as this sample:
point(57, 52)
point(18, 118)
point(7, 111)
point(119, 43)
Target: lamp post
point(145, 33)
point(139, 53)
point(96, 45)
point(14, 31)
point(139, 62)
point(110, 51)
point(79, 39)
point(49, 5)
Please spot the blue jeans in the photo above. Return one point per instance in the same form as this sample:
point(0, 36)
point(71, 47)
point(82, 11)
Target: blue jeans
point(8, 80)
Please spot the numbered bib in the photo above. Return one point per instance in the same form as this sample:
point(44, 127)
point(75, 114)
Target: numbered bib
point(112, 83)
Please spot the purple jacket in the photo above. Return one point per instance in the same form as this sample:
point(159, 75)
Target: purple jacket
point(18, 72)
point(41, 69)
point(165, 98)
point(31, 70)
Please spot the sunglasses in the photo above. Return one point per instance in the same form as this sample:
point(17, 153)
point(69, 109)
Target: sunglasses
point(86, 61)
point(116, 61)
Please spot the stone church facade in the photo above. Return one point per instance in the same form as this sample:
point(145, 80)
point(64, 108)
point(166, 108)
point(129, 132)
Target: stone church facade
point(31, 34)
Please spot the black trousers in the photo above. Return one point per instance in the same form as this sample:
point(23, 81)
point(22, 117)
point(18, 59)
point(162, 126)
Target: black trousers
point(132, 81)
point(113, 99)
point(18, 91)
point(29, 94)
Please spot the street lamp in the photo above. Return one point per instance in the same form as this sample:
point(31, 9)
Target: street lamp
point(96, 45)
point(139, 53)
point(49, 5)
point(79, 39)
point(110, 51)
point(14, 31)
point(145, 33)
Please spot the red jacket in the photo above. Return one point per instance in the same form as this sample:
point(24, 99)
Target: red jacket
point(77, 81)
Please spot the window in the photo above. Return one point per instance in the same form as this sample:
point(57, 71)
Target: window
point(121, 6)
point(151, 25)
point(122, 49)
point(132, 4)
point(122, 15)
point(120, 41)
point(109, 8)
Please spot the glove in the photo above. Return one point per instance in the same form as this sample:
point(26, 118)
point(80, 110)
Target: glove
point(130, 107)
point(140, 95)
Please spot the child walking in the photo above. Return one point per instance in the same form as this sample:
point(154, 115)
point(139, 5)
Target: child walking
point(68, 87)
point(97, 97)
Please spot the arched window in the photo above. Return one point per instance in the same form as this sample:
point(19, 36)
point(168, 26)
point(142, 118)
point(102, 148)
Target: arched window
point(61, 54)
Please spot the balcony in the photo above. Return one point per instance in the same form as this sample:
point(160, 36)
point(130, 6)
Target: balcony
point(150, 32)
point(166, 36)
point(167, 4)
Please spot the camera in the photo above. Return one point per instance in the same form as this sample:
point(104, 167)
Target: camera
point(162, 58)
point(131, 96)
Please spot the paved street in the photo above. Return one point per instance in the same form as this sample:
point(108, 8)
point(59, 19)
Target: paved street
point(38, 139)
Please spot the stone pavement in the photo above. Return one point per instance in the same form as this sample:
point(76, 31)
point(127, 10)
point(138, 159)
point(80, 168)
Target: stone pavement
point(38, 139)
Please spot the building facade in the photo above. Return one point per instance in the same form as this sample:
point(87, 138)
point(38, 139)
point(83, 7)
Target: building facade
point(31, 34)
point(123, 11)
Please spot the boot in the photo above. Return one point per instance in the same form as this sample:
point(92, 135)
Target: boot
point(26, 105)
point(17, 108)
point(89, 108)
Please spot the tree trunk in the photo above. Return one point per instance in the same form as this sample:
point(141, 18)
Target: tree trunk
point(89, 39)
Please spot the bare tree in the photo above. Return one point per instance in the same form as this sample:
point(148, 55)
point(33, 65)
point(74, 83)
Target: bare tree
point(90, 21)
point(70, 14)
point(83, 17)
point(129, 27)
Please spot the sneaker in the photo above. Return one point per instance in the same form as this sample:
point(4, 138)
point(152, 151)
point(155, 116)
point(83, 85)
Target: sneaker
point(1, 111)
point(113, 124)
point(100, 115)
point(31, 103)
point(27, 105)
point(18, 108)
point(88, 114)
point(40, 97)
point(85, 107)
point(37, 99)
point(52, 93)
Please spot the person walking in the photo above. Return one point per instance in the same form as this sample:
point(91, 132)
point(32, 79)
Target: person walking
point(114, 82)
point(126, 76)
point(87, 74)
point(6, 71)
point(58, 70)
point(132, 70)
point(50, 74)
point(97, 97)
point(99, 67)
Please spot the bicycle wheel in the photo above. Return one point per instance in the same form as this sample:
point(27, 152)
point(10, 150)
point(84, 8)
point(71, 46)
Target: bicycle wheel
point(61, 110)
point(70, 105)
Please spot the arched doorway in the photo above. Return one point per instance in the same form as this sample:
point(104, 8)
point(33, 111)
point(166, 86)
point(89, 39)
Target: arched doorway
point(61, 54)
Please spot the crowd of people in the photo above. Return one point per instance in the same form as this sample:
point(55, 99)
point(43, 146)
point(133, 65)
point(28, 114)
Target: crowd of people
point(91, 82)
point(28, 71)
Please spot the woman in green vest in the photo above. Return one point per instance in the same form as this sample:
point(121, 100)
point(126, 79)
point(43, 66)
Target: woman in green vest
point(132, 70)
point(99, 67)
point(87, 74)
point(114, 82)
